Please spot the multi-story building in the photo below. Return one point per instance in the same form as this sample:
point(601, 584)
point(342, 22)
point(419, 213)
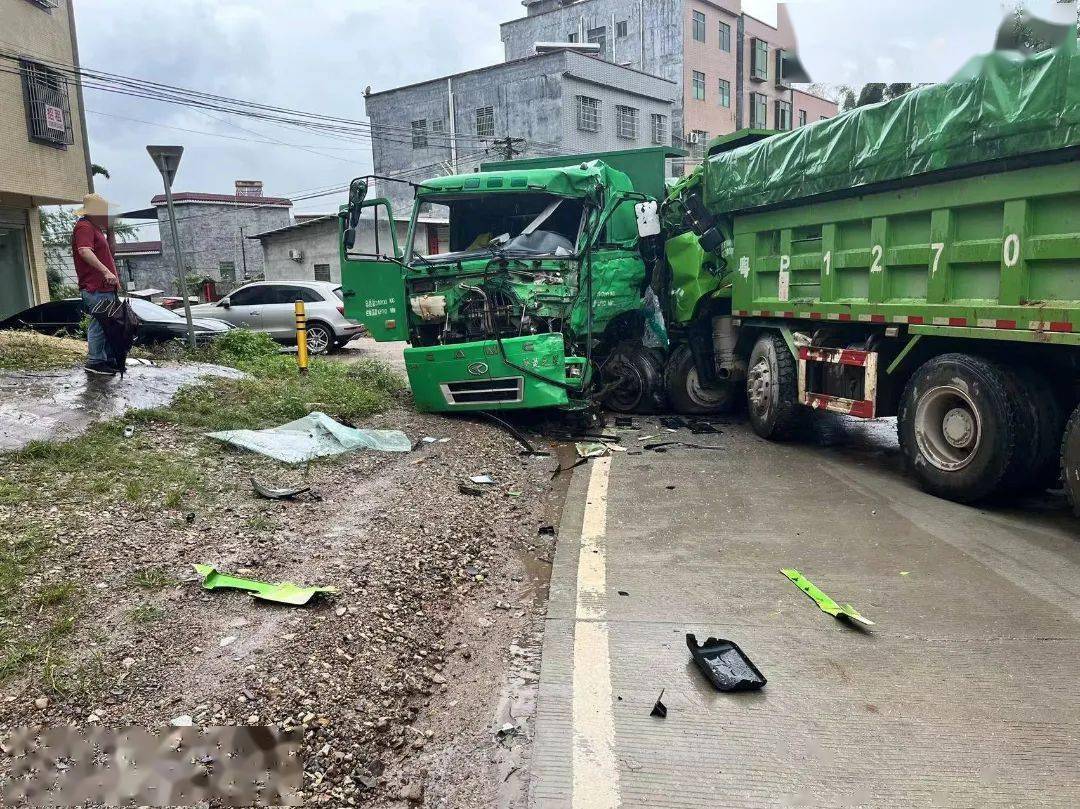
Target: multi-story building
point(559, 102)
point(725, 62)
point(43, 150)
point(212, 229)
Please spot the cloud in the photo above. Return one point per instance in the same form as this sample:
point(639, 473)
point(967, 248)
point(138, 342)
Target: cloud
point(314, 55)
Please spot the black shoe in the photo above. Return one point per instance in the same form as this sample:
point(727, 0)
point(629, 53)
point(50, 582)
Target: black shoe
point(100, 368)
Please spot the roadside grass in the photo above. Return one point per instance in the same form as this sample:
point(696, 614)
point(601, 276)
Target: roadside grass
point(145, 614)
point(30, 351)
point(163, 465)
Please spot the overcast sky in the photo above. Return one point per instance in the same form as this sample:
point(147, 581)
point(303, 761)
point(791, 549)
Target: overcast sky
point(318, 55)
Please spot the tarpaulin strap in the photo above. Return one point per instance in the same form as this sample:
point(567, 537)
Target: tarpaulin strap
point(824, 602)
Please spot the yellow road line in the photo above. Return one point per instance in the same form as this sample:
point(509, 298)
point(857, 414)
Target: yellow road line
point(596, 774)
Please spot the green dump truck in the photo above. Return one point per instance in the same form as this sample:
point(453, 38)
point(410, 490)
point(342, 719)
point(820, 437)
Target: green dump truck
point(917, 258)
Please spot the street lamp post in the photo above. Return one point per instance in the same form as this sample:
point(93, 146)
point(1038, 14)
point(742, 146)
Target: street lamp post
point(167, 160)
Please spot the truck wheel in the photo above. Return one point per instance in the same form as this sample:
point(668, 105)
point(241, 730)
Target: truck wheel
point(1070, 461)
point(1049, 417)
point(635, 380)
point(772, 389)
point(686, 394)
point(958, 425)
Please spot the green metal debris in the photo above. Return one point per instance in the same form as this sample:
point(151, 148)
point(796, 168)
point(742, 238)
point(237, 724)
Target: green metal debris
point(824, 602)
point(282, 593)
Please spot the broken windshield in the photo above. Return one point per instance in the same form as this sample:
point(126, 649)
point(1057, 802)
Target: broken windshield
point(528, 224)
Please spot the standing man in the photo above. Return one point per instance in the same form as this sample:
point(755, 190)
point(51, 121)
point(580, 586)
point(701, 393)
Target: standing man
point(96, 271)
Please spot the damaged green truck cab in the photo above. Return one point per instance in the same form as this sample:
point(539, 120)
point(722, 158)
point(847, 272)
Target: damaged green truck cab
point(541, 270)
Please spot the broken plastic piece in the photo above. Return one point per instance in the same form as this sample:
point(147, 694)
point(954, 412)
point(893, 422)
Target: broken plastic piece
point(659, 708)
point(672, 422)
point(560, 468)
point(129, 431)
point(282, 592)
point(624, 421)
point(474, 491)
point(703, 428)
point(313, 436)
point(486, 480)
point(271, 493)
point(725, 665)
point(591, 449)
point(824, 602)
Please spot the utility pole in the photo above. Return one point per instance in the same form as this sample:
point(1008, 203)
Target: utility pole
point(167, 160)
point(243, 251)
point(508, 147)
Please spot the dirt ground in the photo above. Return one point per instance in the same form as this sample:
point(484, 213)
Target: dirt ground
point(414, 686)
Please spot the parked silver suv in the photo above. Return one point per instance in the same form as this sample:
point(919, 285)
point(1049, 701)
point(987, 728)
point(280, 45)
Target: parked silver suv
point(269, 306)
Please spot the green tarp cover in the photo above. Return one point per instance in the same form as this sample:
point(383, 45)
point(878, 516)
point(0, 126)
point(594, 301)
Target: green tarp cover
point(1000, 106)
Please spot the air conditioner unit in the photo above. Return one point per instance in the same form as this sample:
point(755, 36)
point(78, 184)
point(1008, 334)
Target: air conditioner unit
point(296, 255)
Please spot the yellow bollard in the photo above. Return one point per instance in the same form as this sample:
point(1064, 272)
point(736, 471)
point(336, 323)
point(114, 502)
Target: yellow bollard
point(301, 337)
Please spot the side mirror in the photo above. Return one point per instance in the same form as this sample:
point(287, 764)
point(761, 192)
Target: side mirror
point(349, 238)
point(358, 189)
point(224, 303)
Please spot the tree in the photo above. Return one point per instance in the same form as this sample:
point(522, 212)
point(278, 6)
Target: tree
point(872, 93)
point(1032, 34)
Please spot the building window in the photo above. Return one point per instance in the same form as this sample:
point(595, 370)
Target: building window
point(322, 272)
point(759, 59)
point(725, 93)
point(698, 139)
point(699, 26)
point(802, 117)
point(48, 113)
point(725, 37)
point(759, 109)
point(659, 130)
point(598, 36)
point(783, 114)
point(698, 83)
point(437, 127)
point(588, 114)
point(626, 122)
point(620, 29)
point(419, 134)
point(571, 37)
point(227, 270)
point(48, 5)
point(485, 122)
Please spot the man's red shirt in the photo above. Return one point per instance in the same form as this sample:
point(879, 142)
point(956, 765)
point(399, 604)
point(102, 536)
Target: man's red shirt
point(87, 234)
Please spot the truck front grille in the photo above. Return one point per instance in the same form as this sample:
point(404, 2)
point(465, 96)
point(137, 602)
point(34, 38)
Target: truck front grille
point(484, 391)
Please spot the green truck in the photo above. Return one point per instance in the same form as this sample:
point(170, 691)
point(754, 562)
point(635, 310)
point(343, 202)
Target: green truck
point(918, 258)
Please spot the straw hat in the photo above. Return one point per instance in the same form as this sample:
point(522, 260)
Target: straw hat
point(93, 205)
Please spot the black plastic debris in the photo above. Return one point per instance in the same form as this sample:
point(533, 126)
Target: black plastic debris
point(473, 491)
point(623, 593)
point(516, 433)
point(661, 446)
point(271, 493)
point(659, 708)
point(560, 468)
point(672, 422)
point(624, 421)
point(725, 665)
point(703, 428)
point(547, 530)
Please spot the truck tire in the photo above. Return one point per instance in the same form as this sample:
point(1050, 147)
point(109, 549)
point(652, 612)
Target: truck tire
point(686, 395)
point(772, 389)
point(1070, 461)
point(958, 426)
point(636, 377)
point(1049, 415)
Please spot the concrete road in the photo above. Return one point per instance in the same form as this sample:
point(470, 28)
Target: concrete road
point(966, 693)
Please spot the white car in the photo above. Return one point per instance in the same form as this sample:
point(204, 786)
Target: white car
point(270, 306)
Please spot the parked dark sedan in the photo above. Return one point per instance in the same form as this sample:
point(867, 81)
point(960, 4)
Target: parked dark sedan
point(158, 324)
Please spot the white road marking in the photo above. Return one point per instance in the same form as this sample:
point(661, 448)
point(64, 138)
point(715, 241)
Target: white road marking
point(596, 773)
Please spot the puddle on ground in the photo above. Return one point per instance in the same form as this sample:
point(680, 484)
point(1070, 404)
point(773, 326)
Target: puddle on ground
point(60, 405)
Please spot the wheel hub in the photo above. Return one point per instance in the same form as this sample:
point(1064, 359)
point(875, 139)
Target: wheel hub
point(760, 385)
point(958, 426)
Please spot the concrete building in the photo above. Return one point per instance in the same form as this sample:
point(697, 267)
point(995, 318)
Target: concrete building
point(560, 102)
point(724, 61)
point(308, 250)
point(213, 245)
point(43, 150)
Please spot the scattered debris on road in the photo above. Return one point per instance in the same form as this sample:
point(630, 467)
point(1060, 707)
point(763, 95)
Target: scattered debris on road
point(725, 665)
point(316, 435)
point(560, 468)
point(659, 708)
point(591, 449)
point(282, 592)
point(824, 602)
point(271, 493)
point(483, 480)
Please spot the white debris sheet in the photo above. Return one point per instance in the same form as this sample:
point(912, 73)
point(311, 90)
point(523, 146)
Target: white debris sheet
point(316, 435)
